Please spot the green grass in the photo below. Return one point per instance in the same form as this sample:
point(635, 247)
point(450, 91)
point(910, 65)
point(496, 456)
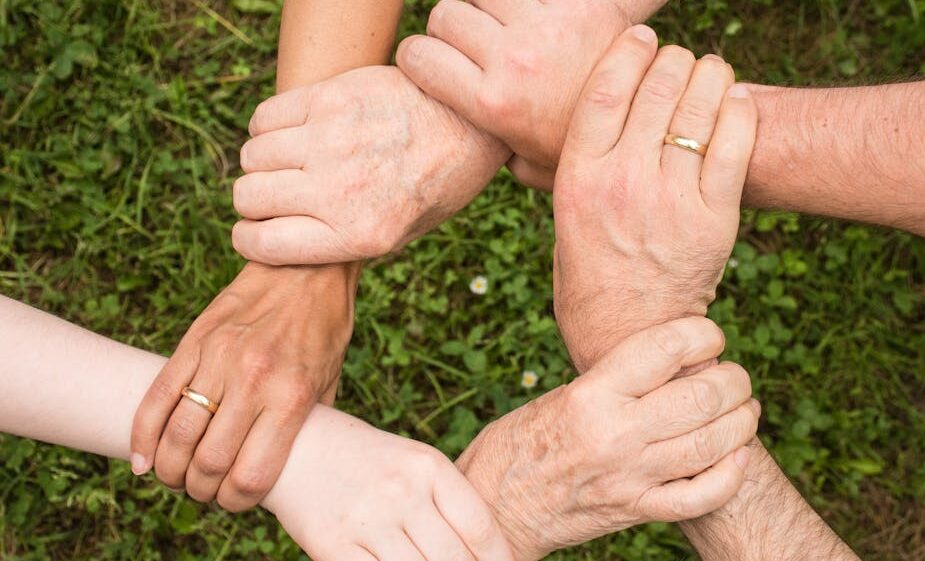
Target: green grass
point(119, 128)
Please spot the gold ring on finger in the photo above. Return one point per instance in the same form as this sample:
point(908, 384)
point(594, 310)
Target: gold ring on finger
point(200, 399)
point(688, 144)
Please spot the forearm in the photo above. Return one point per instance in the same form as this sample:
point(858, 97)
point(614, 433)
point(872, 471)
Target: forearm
point(768, 519)
point(852, 153)
point(322, 38)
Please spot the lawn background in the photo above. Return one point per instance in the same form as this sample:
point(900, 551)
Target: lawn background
point(120, 122)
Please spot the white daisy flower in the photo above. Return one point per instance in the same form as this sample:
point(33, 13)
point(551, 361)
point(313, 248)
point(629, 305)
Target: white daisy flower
point(529, 379)
point(479, 285)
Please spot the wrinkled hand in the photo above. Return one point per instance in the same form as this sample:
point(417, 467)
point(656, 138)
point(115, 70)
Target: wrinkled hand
point(267, 348)
point(516, 69)
point(351, 492)
point(644, 229)
point(354, 168)
point(616, 447)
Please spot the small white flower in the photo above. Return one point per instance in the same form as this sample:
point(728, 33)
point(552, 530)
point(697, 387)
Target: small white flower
point(479, 285)
point(529, 379)
point(733, 263)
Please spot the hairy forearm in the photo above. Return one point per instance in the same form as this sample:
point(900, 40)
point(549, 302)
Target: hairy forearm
point(852, 153)
point(768, 519)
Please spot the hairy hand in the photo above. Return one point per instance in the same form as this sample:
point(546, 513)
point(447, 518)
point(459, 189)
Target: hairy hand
point(516, 69)
point(644, 229)
point(622, 445)
point(354, 168)
point(267, 348)
point(351, 492)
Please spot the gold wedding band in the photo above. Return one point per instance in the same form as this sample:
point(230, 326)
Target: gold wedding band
point(688, 144)
point(200, 399)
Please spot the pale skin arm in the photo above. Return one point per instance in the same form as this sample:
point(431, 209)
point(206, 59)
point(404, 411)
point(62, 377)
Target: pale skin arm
point(65, 385)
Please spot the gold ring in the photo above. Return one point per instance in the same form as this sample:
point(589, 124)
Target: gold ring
point(200, 399)
point(688, 144)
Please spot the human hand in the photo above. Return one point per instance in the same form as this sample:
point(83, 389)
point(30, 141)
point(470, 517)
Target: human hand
point(616, 447)
point(644, 229)
point(516, 69)
point(354, 168)
point(267, 348)
point(350, 492)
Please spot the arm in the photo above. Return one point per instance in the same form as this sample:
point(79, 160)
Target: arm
point(767, 519)
point(850, 153)
point(65, 385)
point(272, 342)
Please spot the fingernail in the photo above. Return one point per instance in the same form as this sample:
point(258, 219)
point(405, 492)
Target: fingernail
point(139, 464)
point(644, 33)
point(756, 405)
point(739, 91)
point(741, 457)
point(711, 56)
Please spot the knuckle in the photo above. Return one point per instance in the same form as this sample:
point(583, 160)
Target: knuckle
point(662, 87)
point(696, 110)
point(214, 462)
point(678, 54)
point(251, 481)
point(492, 103)
point(182, 431)
point(603, 95)
point(705, 398)
point(704, 447)
point(668, 340)
point(523, 61)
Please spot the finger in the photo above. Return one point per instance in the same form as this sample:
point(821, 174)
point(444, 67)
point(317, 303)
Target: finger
point(649, 358)
point(260, 460)
point(684, 499)
point(466, 512)
point(505, 10)
point(184, 430)
point(656, 102)
point(434, 538)
point(443, 73)
point(275, 150)
point(531, 175)
point(690, 454)
point(270, 194)
point(688, 403)
point(726, 164)
point(599, 117)
point(466, 28)
point(290, 240)
point(696, 117)
point(218, 449)
point(159, 402)
point(286, 110)
point(394, 547)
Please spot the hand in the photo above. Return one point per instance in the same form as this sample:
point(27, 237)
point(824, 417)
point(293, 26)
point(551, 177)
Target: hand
point(354, 168)
point(616, 447)
point(516, 69)
point(644, 229)
point(354, 493)
point(268, 347)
